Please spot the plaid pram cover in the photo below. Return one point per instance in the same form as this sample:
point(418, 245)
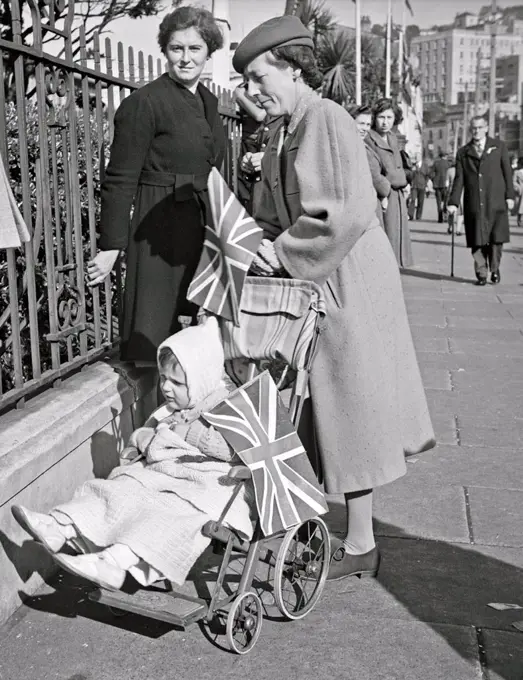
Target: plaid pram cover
point(278, 321)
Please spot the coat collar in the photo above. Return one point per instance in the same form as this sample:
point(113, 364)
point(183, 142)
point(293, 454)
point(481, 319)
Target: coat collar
point(489, 144)
point(378, 140)
point(301, 107)
point(210, 102)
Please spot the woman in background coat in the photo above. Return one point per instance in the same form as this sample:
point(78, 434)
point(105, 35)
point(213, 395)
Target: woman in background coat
point(363, 118)
point(318, 209)
point(382, 141)
point(167, 137)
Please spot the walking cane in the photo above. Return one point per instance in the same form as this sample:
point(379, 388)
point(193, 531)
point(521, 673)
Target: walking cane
point(451, 224)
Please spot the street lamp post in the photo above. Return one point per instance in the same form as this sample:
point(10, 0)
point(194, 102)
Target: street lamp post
point(492, 93)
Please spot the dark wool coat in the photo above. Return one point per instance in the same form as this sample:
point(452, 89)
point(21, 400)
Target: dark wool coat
point(318, 205)
point(438, 173)
point(486, 183)
point(395, 218)
point(166, 140)
point(380, 182)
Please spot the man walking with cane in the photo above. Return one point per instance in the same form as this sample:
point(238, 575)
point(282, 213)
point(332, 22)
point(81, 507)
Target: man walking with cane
point(484, 176)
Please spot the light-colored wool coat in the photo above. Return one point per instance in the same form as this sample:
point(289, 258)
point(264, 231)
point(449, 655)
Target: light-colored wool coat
point(395, 218)
point(318, 205)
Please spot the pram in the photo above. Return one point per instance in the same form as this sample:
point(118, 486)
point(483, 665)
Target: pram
point(280, 324)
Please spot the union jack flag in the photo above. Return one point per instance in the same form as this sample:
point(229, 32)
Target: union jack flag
point(256, 425)
point(231, 242)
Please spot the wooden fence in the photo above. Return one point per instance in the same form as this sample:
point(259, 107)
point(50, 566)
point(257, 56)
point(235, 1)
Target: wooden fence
point(59, 98)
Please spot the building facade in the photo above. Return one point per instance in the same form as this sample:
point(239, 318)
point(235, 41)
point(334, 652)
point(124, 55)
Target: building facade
point(453, 62)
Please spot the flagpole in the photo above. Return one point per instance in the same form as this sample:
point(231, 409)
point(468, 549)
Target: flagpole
point(401, 52)
point(357, 12)
point(388, 48)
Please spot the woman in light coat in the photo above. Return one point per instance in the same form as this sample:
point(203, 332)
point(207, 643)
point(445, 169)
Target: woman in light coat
point(382, 141)
point(318, 210)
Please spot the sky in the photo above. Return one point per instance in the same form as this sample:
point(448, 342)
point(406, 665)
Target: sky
point(245, 14)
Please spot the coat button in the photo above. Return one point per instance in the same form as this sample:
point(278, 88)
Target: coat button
point(263, 146)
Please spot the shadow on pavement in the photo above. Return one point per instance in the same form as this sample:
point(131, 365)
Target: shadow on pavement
point(512, 251)
point(441, 232)
point(436, 277)
point(441, 584)
point(445, 585)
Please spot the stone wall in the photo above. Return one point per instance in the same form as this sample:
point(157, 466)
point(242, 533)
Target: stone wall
point(61, 438)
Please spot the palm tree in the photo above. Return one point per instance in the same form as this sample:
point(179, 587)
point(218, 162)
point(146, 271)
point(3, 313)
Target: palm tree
point(316, 17)
point(336, 57)
point(336, 60)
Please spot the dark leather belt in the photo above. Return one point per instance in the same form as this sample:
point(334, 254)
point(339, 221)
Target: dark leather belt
point(184, 186)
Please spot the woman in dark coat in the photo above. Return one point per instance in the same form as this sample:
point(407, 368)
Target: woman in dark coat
point(382, 141)
point(168, 135)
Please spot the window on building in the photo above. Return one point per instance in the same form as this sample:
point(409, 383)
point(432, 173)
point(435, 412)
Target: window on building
point(440, 134)
point(462, 41)
point(461, 55)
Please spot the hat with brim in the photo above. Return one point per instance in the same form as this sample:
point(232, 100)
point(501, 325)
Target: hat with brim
point(276, 32)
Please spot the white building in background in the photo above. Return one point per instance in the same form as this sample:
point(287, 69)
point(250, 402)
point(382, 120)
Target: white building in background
point(448, 60)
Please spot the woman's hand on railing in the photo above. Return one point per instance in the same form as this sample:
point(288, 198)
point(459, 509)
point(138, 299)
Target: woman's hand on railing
point(100, 266)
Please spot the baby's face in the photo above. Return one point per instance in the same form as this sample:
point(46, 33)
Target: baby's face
point(173, 384)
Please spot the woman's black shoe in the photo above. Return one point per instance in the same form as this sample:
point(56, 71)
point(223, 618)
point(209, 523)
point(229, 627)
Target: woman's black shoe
point(482, 281)
point(495, 277)
point(343, 564)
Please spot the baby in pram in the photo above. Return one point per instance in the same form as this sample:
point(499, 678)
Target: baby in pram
point(146, 518)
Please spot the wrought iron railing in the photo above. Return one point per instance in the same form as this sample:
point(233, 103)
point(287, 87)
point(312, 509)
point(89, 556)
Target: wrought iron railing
point(55, 135)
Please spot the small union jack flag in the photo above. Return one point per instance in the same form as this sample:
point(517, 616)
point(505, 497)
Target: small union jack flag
point(256, 425)
point(231, 242)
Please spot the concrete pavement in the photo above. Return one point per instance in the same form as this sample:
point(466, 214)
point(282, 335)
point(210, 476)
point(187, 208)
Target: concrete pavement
point(451, 531)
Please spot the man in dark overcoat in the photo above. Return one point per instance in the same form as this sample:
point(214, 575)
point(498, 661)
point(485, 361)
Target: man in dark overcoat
point(439, 182)
point(483, 174)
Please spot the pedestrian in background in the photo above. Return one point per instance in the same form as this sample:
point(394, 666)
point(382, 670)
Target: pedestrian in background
point(363, 118)
point(420, 176)
point(439, 177)
point(252, 119)
point(383, 142)
point(518, 189)
point(484, 175)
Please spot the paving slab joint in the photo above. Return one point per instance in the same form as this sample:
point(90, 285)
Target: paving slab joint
point(469, 515)
point(482, 655)
point(457, 428)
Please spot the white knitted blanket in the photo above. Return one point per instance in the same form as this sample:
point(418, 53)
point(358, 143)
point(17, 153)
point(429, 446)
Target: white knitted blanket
point(158, 506)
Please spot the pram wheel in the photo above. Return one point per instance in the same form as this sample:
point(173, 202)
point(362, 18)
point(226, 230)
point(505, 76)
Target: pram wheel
point(301, 568)
point(244, 623)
